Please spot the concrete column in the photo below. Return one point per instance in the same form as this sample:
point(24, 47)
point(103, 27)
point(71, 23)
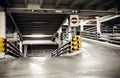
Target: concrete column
point(69, 33)
point(15, 36)
point(69, 30)
point(98, 24)
point(25, 50)
point(2, 24)
point(20, 46)
point(59, 32)
point(2, 29)
point(81, 25)
point(58, 40)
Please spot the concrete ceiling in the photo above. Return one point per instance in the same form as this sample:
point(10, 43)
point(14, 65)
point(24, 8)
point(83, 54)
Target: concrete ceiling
point(66, 4)
point(38, 23)
point(40, 17)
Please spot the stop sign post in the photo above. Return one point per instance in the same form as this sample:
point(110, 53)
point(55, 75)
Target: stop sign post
point(74, 20)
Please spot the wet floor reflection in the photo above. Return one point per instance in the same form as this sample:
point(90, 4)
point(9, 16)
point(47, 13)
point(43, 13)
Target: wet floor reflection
point(91, 63)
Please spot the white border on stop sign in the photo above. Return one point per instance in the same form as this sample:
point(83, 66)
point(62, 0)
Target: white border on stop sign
point(74, 24)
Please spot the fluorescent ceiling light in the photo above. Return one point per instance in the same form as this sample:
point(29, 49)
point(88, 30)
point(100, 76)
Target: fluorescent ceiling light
point(38, 22)
point(37, 36)
point(38, 42)
point(58, 11)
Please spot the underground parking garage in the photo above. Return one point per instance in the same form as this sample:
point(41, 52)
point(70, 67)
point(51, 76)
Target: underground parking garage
point(59, 39)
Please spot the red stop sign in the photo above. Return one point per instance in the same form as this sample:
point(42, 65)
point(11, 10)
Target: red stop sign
point(74, 20)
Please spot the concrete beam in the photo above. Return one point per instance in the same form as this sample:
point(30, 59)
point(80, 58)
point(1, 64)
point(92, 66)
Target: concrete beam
point(8, 2)
point(104, 4)
point(88, 4)
point(26, 3)
point(110, 18)
point(73, 3)
point(105, 17)
point(63, 11)
point(57, 3)
point(41, 3)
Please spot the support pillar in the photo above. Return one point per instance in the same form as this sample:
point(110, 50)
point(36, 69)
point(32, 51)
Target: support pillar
point(2, 29)
point(81, 25)
point(15, 36)
point(69, 30)
point(25, 50)
point(98, 25)
point(69, 33)
point(20, 46)
point(2, 24)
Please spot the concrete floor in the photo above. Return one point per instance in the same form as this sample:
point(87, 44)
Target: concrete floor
point(96, 61)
